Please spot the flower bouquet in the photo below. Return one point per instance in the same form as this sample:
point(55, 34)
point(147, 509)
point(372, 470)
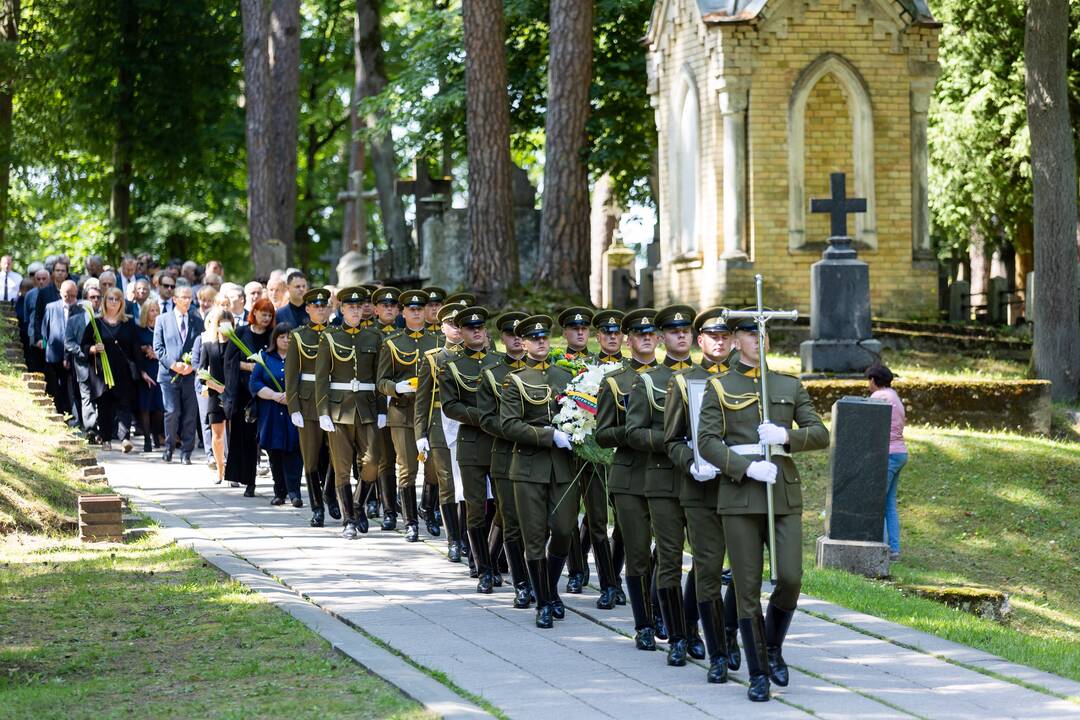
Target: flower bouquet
point(207, 378)
point(255, 357)
point(186, 359)
point(106, 369)
point(577, 413)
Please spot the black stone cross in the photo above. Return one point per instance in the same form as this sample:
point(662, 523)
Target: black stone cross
point(839, 206)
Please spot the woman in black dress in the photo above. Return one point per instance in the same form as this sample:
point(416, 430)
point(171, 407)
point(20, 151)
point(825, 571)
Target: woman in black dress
point(238, 401)
point(208, 355)
point(119, 343)
point(151, 408)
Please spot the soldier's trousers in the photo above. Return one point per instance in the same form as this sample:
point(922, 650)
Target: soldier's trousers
point(348, 441)
point(506, 509)
point(439, 459)
point(385, 468)
point(669, 531)
point(705, 529)
point(542, 507)
point(747, 537)
point(632, 515)
point(311, 444)
point(407, 465)
point(474, 487)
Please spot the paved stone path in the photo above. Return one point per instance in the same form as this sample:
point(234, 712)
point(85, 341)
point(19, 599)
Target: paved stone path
point(409, 598)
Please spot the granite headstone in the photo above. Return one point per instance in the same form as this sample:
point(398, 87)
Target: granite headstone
point(859, 455)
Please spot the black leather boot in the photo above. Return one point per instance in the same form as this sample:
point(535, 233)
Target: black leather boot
point(463, 522)
point(712, 627)
point(330, 495)
point(497, 554)
point(695, 647)
point(412, 520)
point(575, 580)
point(777, 622)
point(318, 518)
point(538, 573)
point(643, 619)
point(515, 558)
point(429, 497)
point(555, 568)
point(345, 502)
point(606, 571)
point(757, 661)
point(388, 493)
point(671, 608)
point(453, 546)
point(483, 561)
point(731, 623)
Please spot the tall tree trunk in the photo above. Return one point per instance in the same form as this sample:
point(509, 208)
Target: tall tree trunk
point(603, 222)
point(262, 224)
point(493, 258)
point(9, 40)
point(354, 228)
point(284, 56)
point(120, 195)
point(383, 159)
point(563, 261)
point(1056, 354)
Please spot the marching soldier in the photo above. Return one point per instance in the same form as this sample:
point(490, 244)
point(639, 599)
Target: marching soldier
point(488, 398)
point(428, 427)
point(575, 323)
point(436, 297)
point(626, 481)
point(697, 493)
point(345, 388)
point(300, 391)
point(608, 325)
point(386, 309)
point(459, 382)
point(367, 311)
point(541, 467)
point(645, 433)
point(399, 364)
point(731, 436)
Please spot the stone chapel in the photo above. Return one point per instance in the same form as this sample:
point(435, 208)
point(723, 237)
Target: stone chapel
point(756, 103)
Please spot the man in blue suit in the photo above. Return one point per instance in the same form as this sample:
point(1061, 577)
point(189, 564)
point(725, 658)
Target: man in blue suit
point(80, 361)
point(53, 330)
point(174, 336)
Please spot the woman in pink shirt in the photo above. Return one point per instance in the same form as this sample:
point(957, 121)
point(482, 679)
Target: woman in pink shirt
point(881, 389)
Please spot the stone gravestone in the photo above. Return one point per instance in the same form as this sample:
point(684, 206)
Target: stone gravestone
point(960, 301)
point(997, 300)
point(1029, 298)
point(840, 338)
point(855, 500)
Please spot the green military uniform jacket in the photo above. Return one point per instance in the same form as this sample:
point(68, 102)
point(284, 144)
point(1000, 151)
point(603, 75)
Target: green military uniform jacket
point(459, 383)
point(488, 401)
point(427, 416)
point(645, 427)
point(529, 402)
point(300, 360)
point(400, 359)
point(677, 435)
point(730, 415)
point(628, 469)
point(347, 355)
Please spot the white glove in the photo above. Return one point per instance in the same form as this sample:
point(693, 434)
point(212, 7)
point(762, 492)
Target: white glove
point(423, 446)
point(702, 475)
point(772, 434)
point(690, 443)
point(562, 440)
point(326, 423)
point(380, 421)
point(762, 472)
point(297, 419)
point(404, 387)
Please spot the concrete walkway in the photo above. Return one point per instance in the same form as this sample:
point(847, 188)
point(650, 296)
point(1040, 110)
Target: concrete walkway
point(409, 599)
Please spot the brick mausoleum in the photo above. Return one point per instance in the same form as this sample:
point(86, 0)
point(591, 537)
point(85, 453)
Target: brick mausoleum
point(757, 102)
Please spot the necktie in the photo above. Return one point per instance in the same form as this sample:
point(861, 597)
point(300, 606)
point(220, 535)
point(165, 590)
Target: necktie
point(183, 329)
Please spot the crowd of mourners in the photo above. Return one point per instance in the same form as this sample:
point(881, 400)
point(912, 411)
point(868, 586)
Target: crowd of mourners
point(97, 332)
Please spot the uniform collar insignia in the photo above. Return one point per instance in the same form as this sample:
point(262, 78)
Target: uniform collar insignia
point(388, 328)
point(352, 330)
point(676, 364)
point(537, 364)
point(416, 334)
point(478, 355)
point(605, 358)
point(515, 364)
point(318, 327)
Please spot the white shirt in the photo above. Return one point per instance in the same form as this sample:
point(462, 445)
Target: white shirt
point(11, 282)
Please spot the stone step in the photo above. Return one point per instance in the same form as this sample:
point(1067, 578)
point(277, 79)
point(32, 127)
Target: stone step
point(31, 376)
point(55, 417)
point(35, 385)
point(93, 471)
point(43, 401)
point(71, 443)
point(83, 460)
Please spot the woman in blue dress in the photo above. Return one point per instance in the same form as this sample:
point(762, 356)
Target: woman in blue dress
point(277, 435)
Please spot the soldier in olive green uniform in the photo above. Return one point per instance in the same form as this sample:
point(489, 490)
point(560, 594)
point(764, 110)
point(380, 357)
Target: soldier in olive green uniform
point(300, 393)
point(385, 302)
point(399, 365)
point(488, 398)
point(345, 388)
point(645, 433)
point(427, 424)
point(542, 465)
point(626, 479)
point(459, 383)
point(697, 494)
point(436, 297)
point(731, 435)
point(429, 505)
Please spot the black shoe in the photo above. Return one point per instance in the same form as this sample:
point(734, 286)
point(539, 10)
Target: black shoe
point(167, 456)
point(555, 567)
point(777, 622)
point(606, 601)
point(412, 533)
point(372, 508)
point(335, 512)
point(540, 581)
point(522, 596)
point(249, 491)
point(544, 616)
point(758, 691)
point(185, 458)
point(757, 662)
point(644, 639)
point(362, 524)
point(620, 596)
point(297, 502)
point(734, 655)
point(453, 551)
point(695, 646)
point(661, 628)
point(148, 445)
point(318, 519)
point(486, 584)
point(718, 671)
point(676, 654)
point(574, 583)
point(778, 670)
point(432, 527)
point(389, 521)
point(278, 501)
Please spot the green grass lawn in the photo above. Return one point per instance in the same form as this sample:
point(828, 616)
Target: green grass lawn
point(918, 365)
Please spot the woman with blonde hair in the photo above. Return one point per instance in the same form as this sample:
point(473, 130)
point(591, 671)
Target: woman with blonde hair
point(118, 348)
point(151, 407)
point(208, 355)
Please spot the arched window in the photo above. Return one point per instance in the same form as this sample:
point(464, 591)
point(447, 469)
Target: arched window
point(685, 167)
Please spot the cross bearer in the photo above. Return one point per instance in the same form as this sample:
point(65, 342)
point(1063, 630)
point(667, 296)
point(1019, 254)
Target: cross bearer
point(732, 437)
